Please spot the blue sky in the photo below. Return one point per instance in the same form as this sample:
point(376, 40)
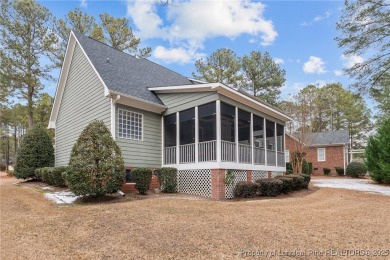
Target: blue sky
point(299, 35)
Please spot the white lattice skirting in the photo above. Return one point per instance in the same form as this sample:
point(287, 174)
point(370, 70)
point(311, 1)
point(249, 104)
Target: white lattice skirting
point(274, 174)
point(256, 175)
point(196, 182)
point(239, 175)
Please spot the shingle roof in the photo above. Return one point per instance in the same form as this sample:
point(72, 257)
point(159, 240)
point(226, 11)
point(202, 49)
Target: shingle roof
point(328, 138)
point(127, 74)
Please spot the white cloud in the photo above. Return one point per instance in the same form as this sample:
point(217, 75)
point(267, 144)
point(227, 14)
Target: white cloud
point(338, 73)
point(314, 65)
point(176, 55)
point(318, 18)
point(189, 23)
point(252, 41)
point(83, 3)
point(278, 61)
point(350, 61)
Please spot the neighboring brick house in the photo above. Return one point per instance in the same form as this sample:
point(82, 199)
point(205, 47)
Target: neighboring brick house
point(324, 149)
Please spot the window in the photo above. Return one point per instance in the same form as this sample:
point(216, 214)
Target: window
point(129, 125)
point(207, 122)
point(279, 136)
point(187, 126)
point(244, 127)
point(170, 130)
point(270, 132)
point(258, 131)
point(228, 115)
point(321, 154)
point(287, 155)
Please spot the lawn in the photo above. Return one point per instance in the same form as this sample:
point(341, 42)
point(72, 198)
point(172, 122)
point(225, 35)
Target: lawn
point(161, 228)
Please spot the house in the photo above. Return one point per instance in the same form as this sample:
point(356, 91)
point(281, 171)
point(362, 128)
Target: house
point(160, 118)
point(323, 149)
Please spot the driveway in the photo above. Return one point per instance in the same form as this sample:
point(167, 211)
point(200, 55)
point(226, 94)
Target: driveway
point(352, 184)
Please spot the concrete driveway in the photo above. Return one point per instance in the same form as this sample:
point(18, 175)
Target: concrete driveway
point(352, 184)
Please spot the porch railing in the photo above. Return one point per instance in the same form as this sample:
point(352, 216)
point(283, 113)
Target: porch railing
point(244, 153)
point(207, 151)
point(281, 159)
point(187, 153)
point(170, 155)
point(259, 155)
point(271, 158)
point(228, 151)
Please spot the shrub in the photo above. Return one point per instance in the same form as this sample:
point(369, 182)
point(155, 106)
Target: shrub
point(288, 183)
point(3, 167)
point(307, 167)
point(289, 168)
point(142, 177)
point(306, 181)
point(326, 171)
point(340, 170)
point(96, 166)
point(35, 151)
point(245, 189)
point(356, 169)
point(378, 154)
point(167, 178)
point(10, 173)
point(270, 187)
point(298, 181)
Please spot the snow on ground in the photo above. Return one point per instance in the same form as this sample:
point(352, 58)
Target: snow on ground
point(61, 197)
point(353, 184)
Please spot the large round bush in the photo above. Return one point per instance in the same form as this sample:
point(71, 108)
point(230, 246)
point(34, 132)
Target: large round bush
point(35, 151)
point(356, 169)
point(96, 166)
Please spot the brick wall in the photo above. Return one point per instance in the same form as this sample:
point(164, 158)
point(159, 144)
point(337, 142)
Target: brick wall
point(130, 187)
point(333, 158)
point(218, 184)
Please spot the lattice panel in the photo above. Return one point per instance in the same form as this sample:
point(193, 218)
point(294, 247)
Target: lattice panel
point(196, 182)
point(274, 174)
point(259, 175)
point(239, 175)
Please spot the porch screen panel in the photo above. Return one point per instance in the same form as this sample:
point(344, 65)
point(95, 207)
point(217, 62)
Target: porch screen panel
point(279, 136)
point(207, 122)
point(244, 127)
point(258, 140)
point(187, 126)
point(228, 114)
point(170, 130)
point(270, 143)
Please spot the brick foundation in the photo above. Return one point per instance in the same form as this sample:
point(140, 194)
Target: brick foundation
point(131, 187)
point(218, 184)
point(249, 176)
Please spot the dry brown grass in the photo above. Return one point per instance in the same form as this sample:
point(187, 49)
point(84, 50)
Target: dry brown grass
point(167, 228)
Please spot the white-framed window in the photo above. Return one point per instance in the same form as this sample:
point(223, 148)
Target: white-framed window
point(130, 125)
point(287, 155)
point(321, 154)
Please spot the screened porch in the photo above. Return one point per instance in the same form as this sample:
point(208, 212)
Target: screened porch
point(220, 132)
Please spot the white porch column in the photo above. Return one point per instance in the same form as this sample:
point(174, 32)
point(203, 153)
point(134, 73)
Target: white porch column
point(251, 140)
point(196, 135)
point(177, 139)
point(162, 142)
point(265, 141)
point(236, 134)
point(276, 144)
point(218, 111)
point(113, 128)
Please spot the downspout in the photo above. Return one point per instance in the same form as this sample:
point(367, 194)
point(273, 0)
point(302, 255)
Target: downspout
point(113, 121)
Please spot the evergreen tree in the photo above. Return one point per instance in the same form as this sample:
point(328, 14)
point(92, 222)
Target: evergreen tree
point(96, 166)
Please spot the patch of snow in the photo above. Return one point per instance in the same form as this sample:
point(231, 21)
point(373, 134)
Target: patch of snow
point(353, 184)
point(61, 197)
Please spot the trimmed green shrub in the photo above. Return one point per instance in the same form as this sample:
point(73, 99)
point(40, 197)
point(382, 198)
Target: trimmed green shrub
point(307, 167)
point(96, 166)
point(270, 187)
point(378, 154)
point(356, 169)
point(289, 168)
point(35, 151)
point(298, 181)
point(326, 171)
point(3, 167)
point(245, 189)
point(306, 181)
point(167, 177)
point(142, 178)
point(288, 183)
point(52, 175)
point(340, 170)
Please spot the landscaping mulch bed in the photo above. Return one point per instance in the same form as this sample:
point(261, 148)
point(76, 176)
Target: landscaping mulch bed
point(163, 227)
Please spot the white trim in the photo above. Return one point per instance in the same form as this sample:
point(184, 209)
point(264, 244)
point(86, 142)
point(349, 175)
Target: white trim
point(265, 140)
point(197, 80)
point(226, 91)
point(139, 103)
point(162, 141)
point(196, 134)
point(276, 143)
point(318, 154)
point(177, 139)
point(218, 111)
point(287, 155)
point(344, 158)
point(112, 106)
point(142, 124)
point(236, 134)
point(225, 165)
point(252, 140)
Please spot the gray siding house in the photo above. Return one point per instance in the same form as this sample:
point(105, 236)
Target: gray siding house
point(160, 118)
